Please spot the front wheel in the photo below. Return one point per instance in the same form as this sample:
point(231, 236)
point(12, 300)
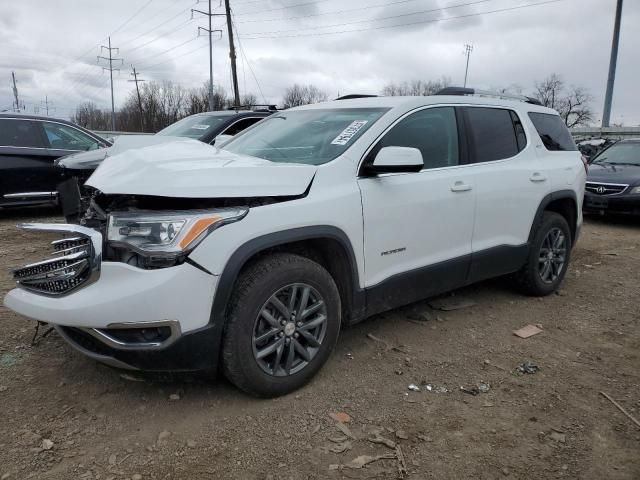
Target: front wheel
point(282, 324)
point(549, 256)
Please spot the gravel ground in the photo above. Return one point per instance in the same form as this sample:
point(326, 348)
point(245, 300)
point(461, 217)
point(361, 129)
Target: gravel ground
point(66, 417)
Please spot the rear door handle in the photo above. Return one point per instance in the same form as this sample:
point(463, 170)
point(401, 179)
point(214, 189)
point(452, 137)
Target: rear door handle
point(460, 187)
point(537, 177)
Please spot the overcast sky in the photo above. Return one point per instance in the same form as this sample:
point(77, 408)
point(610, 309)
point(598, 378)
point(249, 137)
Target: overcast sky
point(340, 46)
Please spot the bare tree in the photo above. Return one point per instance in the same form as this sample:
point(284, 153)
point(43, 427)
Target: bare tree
point(248, 99)
point(297, 95)
point(572, 103)
point(88, 115)
point(416, 87)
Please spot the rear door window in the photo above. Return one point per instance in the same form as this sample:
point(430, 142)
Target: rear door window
point(553, 132)
point(20, 133)
point(494, 134)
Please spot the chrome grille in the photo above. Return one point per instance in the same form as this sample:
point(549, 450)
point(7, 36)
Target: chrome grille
point(75, 263)
point(605, 188)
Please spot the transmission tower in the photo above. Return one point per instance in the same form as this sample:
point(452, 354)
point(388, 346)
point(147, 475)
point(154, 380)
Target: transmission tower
point(210, 31)
point(232, 49)
point(468, 48)
point(110, 59)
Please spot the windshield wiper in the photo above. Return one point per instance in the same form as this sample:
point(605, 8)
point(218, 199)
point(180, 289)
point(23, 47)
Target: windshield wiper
point(625, 163)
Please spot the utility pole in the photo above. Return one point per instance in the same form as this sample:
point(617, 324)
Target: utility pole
point(15, 93)
point(232, 53)
point(211, 32)
point(468, 48)
point(111, 69)
point(613, 61)
point(46, 102)
point(137, 80)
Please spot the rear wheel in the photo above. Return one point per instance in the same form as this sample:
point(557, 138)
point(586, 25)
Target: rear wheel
point(283, 322)
point(549, 256)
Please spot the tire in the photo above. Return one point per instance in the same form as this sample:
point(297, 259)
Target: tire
point(530, 277)
point(257, 309)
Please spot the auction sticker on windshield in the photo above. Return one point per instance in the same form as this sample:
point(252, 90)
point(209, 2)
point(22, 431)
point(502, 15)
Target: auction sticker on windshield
point(348, 133)
point(200, 127)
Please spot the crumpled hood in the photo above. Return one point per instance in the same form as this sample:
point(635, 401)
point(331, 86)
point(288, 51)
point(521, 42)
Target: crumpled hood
point(191, 169)
point(91, 159)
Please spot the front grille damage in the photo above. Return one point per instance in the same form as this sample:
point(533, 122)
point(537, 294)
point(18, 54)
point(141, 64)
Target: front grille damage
point(75, 263)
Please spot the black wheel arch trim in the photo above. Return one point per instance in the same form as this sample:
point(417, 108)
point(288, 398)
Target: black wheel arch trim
point(249, 249)
point(546, 201)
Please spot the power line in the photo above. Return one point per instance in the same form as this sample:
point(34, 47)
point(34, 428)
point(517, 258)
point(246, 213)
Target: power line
point(171, 49)
point(248, 63)
point(162, 35)
point(280, 8)
point(383, 27)
point(131, 17)
point(389, 17)
point(158, 26)
point(199, 47)
point(336, 12)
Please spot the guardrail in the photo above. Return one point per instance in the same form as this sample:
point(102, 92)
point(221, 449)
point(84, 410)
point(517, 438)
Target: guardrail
point(614, 133)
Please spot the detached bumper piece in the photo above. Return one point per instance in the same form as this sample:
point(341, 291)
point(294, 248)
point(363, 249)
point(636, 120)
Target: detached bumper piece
point(75, 263)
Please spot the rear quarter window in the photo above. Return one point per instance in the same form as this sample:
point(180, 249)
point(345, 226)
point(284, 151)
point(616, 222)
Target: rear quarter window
point(553, 132)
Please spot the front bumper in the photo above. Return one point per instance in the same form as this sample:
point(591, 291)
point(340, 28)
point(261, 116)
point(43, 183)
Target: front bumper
point(126, 294)
point(615, 204)
point(105, 320)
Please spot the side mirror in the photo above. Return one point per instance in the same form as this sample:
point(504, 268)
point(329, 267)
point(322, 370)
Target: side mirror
point(396, 160)
point(221, 140)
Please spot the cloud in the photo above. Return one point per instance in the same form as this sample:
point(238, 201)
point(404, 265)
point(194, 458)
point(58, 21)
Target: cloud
point(52, 47)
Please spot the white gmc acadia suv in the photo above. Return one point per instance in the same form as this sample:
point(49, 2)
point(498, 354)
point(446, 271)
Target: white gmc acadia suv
point(253, 256)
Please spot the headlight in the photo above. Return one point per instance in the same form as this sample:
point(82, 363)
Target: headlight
point(167, 233)
point(635, 190)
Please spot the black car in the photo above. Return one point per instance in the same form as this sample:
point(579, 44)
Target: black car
point(207, 127)
point(613, 183)
point(29, 146)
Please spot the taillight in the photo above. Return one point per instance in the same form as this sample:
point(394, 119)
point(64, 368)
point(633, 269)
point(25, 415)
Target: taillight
point(585, 162)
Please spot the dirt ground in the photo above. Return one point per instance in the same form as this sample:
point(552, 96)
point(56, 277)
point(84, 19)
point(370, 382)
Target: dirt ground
point(63, 416)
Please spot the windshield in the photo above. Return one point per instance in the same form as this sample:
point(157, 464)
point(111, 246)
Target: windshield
point(195, 126)
point(620, 154)
point(309, 136)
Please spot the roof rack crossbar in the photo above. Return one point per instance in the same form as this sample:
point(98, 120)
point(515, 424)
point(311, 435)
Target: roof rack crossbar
point(487, 93)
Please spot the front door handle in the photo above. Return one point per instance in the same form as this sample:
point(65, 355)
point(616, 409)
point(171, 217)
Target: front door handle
point(460, 187)
point(537, 177)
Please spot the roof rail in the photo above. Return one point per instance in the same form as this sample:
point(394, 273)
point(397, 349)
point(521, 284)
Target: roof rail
point(487, 93)
point(264, 107)
point(355, 95)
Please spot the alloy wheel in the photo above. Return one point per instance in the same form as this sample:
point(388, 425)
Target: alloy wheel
point(289, 329)
point(553, 254)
